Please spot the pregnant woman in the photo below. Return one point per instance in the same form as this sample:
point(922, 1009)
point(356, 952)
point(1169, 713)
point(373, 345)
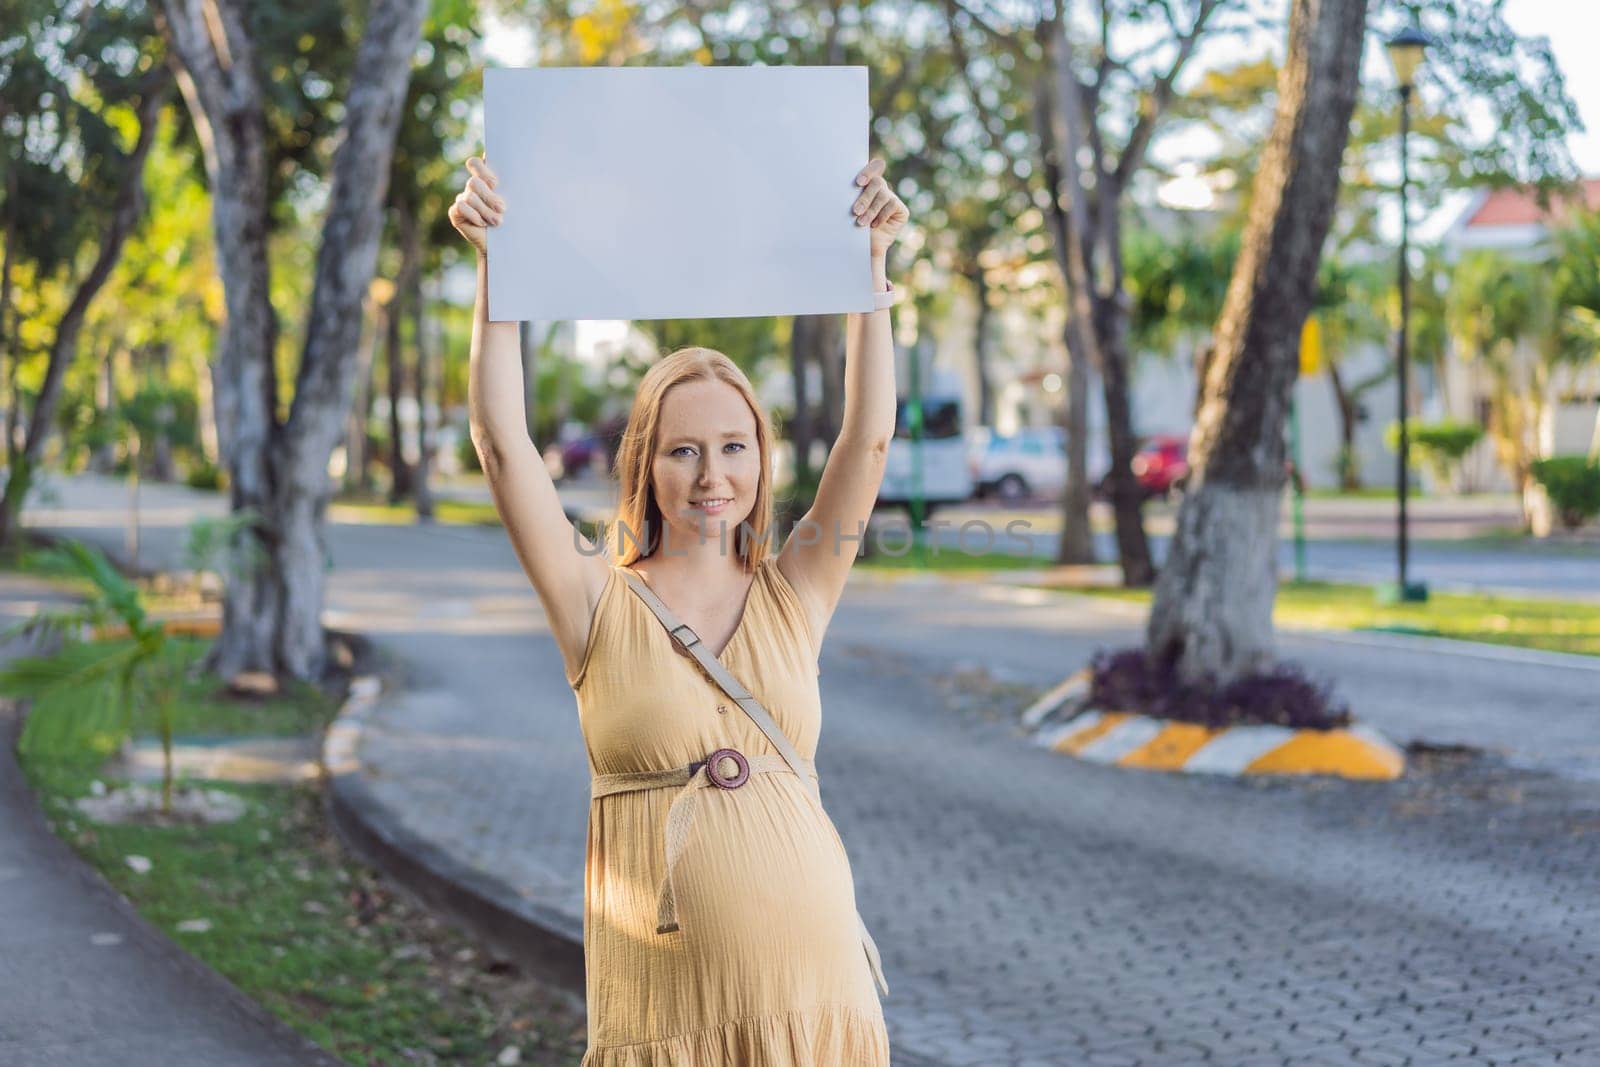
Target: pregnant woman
point(720, 921)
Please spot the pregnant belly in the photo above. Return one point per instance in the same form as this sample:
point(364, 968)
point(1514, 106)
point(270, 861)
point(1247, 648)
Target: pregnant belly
point(761, 866)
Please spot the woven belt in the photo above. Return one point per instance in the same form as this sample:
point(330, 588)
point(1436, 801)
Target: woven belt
point(725, 768)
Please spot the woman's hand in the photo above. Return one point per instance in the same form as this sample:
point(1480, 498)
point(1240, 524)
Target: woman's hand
point(477, 206)
point(878, 207)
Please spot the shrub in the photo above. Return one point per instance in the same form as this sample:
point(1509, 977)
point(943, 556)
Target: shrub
point(1438, 446)
point(1128, 680)
point(467, 453)
point(1573, 484)
point(205, 475)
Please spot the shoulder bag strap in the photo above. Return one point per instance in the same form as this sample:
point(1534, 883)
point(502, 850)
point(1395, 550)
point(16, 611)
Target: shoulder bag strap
point(685, 636)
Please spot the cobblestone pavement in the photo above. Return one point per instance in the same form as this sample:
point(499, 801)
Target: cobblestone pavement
point(1033, 909)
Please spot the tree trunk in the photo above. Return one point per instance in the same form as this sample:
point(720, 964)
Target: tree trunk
point(829, 356)
point(1077, 538)
point(358, 453)
point(800, 429)
point(7, 348)
point(980, 343)
point(210, 45)
point(1345, 403)
point(529, 350)
point(64, 347)
point(161, 468)
point(421, 486)
point(1091, 252)
point(103, 459)
point(345, 261)
point(393, 319)
point(1212, 616)
point(1127, 495)
point(272, 614)
point(206, 412)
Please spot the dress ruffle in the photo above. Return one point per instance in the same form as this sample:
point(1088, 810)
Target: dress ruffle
point(826, 1035)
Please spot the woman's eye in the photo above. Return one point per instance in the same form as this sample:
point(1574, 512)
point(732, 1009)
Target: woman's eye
point(735, 444)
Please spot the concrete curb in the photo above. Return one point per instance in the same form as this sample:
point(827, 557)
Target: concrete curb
point(541, 941)
point(1125, 739)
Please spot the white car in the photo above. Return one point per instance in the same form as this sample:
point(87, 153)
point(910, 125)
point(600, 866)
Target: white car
point(934, 469)
point(1028, 464)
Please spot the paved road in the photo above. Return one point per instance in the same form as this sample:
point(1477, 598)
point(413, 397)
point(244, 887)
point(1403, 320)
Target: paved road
point(1036, 910)
point(1349, 540)
point(82, 979)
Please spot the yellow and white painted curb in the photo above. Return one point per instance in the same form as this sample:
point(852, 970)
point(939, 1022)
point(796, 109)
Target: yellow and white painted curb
point(1123, 739)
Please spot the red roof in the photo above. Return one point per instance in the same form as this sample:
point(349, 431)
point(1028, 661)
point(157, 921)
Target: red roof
point(1518, 206)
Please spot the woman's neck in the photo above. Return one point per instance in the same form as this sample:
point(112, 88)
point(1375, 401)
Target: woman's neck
point(694, 558)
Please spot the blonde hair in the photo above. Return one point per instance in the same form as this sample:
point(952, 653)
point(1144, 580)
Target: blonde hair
point(638, 512)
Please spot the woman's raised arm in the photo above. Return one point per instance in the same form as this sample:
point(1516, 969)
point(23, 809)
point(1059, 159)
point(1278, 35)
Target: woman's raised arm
point(566, 569)
point(818, 555)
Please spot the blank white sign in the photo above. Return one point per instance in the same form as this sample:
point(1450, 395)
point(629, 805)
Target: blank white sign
point(677, 192)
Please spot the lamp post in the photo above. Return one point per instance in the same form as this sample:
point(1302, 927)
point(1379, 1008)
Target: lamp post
point(1406, 50)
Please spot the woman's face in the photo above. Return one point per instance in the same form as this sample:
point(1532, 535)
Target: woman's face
point(706, 451)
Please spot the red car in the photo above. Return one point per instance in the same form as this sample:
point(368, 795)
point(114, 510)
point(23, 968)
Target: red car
point(1159, 465)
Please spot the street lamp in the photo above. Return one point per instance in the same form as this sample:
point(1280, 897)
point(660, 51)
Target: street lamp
point(1406, 50)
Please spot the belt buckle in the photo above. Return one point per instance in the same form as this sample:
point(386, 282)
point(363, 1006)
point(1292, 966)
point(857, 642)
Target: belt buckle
point(716, 777)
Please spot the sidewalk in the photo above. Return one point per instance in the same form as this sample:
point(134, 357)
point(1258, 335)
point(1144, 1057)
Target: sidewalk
point(85, 980)
point(1101, 912)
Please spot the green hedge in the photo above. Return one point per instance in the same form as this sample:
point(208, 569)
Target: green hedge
point(1438, 446)
point(1573, 484)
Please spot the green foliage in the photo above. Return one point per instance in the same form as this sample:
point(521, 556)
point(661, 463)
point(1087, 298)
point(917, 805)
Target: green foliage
point(1177, 282)
point(435, 133)
point(204, 474)
point(1520, 321)
point(305, 54)
point(226, 544)
point(85, 695)
point(1491, 108)
point(1439, 446)
point(1573, 484)
point(1576, 279)
point(1479, 62)
point(749, 341)
point(65, 92)
point(467, 454)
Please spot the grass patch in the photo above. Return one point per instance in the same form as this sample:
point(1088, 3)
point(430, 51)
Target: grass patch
point(1551, 625)
point(946, 558)
point(1370, 492)
point(298, 924)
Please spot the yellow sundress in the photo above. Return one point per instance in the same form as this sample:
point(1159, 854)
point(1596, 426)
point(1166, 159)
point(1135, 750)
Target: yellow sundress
point(766, 967)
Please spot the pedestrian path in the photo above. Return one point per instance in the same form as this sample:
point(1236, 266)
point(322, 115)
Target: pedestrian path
point(83, 979)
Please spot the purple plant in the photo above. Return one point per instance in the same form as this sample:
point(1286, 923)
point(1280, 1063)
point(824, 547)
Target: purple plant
point(1128, 680)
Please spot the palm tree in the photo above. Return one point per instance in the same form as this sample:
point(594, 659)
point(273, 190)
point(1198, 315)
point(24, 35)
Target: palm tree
point(1500, 311)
